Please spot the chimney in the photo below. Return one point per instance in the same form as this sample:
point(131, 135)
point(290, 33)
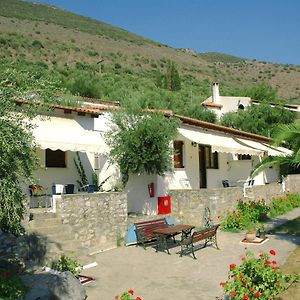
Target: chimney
point(215, 93)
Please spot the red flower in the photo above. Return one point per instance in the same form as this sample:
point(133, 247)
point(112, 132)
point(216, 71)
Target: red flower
point(245, 283)
point(274, 262)
point(222, 284)
point(233, 294)
point(116, 297)
point(246, 297)
point(278, 283)
point(261, 255)
point(138, 298)
point(242, 276)
point(272, 252)
point(268, 262)
point(257, 295)
point(232, 266)
point(131, 292)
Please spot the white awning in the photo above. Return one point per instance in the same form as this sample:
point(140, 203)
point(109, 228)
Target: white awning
point(66, 135)
point(218, 141)
point(271, 150)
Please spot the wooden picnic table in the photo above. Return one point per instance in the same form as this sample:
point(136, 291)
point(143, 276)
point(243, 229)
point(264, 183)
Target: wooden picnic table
point(163, 233)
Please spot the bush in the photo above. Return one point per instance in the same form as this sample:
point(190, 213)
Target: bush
point(256, 277)
point(254, 210)
point(11, 286)
point(246, 215)
point(249, 213)
point(127, 296)
point(284, 204)
point(37, 44)
point(66, 263)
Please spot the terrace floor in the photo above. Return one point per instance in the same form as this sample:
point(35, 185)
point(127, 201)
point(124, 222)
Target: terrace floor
point(160, 276)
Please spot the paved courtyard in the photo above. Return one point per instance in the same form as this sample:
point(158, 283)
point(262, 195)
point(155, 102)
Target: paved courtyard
point(158, 276)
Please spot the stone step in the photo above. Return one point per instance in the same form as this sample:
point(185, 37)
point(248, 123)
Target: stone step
point(41, 223)
point(61, 236)
point(49, 230)
point(71, 245)
point(42, 215)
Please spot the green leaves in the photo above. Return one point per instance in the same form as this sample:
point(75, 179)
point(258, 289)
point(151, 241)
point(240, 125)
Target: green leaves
point(287, 135)
point(256, 277)
point(18, 158)
point(260, 119)
point(66, 263)
point(141, 143)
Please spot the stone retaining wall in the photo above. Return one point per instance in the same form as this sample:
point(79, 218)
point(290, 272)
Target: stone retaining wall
point(293, 183)
point(188, 205)
point(98, 220)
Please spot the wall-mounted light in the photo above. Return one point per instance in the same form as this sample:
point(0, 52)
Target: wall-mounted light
point(194, 144)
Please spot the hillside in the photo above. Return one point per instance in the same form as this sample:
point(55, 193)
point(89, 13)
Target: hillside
point(124, 66)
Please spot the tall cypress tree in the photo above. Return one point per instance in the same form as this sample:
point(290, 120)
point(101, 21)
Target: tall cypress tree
point(172, 80)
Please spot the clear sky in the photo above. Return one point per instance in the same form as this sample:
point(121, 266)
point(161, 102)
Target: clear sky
point(266, 30)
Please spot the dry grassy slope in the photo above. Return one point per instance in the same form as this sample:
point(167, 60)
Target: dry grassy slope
point(65, 45)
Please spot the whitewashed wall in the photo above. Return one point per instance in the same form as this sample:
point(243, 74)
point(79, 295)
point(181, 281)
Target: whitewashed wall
point(138, 196)
point(47, 176)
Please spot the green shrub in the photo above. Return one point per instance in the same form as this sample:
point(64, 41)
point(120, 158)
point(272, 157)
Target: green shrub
point(284, 204)
point(127, 296)
point(256, 277)
point(246, 215)
point(255, 210)
point(2, 41)
point(249, 213)
point(11, 286)
point(37, 44)
point(66, 263)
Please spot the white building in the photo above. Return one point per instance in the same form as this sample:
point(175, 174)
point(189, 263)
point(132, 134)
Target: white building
point(224, 104)
point(206, 155)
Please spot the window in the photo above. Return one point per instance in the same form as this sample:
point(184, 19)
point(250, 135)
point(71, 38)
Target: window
point(244, 157)
point(178, 154)
point(211, 158)
point(55, 159)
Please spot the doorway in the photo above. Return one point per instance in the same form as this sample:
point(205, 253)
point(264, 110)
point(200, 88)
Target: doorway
point(202, 167)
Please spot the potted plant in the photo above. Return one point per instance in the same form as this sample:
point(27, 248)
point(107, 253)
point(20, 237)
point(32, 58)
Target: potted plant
point(251, 234)
point(261, 231)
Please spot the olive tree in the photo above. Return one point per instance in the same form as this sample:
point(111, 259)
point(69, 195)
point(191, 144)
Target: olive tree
point(141, 143)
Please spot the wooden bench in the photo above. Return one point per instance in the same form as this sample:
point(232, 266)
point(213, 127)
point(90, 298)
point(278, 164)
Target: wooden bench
point(144, 230)
point(207, 234)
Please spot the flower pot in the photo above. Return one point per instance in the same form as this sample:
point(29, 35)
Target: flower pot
point(250, 236)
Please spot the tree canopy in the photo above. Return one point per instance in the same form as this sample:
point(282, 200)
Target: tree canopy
point(141, 143)
point(260, 119)
point(18, 158)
